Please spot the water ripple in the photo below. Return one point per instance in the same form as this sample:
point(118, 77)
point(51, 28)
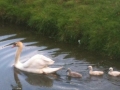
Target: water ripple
point(78, 61)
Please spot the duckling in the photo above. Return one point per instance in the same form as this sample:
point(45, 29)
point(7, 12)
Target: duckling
point(113, 73)
point(73, 74)
point(97, 73)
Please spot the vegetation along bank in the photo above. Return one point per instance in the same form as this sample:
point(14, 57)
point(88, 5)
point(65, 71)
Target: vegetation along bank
point(96, 23)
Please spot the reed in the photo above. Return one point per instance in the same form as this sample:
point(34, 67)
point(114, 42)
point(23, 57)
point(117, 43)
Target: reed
point(94, 22)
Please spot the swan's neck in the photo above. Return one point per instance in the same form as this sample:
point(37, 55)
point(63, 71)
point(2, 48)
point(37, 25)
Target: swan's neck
point(111, 71)
point(17, 56)
point(91, 69)
point(69, 73)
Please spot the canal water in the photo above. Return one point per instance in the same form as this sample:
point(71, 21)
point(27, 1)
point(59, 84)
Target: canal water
point(66, 55)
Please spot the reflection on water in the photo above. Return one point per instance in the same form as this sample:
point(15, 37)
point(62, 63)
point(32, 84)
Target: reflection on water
point(32, 79)
point(64, 55)
point(18, 86)
point(39, 80)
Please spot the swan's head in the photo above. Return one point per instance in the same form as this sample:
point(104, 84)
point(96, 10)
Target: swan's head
point(110, 69)
point(18, 44)
point(68, 70)
point(90, 67)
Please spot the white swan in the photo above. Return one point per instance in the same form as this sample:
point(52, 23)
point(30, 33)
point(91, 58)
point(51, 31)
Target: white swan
point(113, 73)
point(91, 72)
point(36, 64)
point(73, 74)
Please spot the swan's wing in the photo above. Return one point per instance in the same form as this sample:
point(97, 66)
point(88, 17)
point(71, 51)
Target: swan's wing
point(38, 61)
point(51, 70)
point(46, 59)
point(116, 72)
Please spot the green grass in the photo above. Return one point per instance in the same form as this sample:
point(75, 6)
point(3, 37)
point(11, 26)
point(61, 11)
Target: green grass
point(94, 22)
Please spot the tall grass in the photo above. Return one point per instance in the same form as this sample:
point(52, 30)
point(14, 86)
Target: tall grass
point(94, 22)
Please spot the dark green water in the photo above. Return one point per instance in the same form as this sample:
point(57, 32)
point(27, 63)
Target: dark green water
point(66, 55)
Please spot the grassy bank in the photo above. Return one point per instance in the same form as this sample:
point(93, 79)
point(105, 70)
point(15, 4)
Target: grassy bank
point(94, 22)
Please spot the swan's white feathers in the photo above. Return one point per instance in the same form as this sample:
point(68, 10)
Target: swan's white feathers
point(91, 72)
point(96, 72)
point(38, 61)
point(113, 73)
point(36, 64)
point(50, 70)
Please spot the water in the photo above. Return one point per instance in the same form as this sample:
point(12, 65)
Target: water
point(66, 55)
